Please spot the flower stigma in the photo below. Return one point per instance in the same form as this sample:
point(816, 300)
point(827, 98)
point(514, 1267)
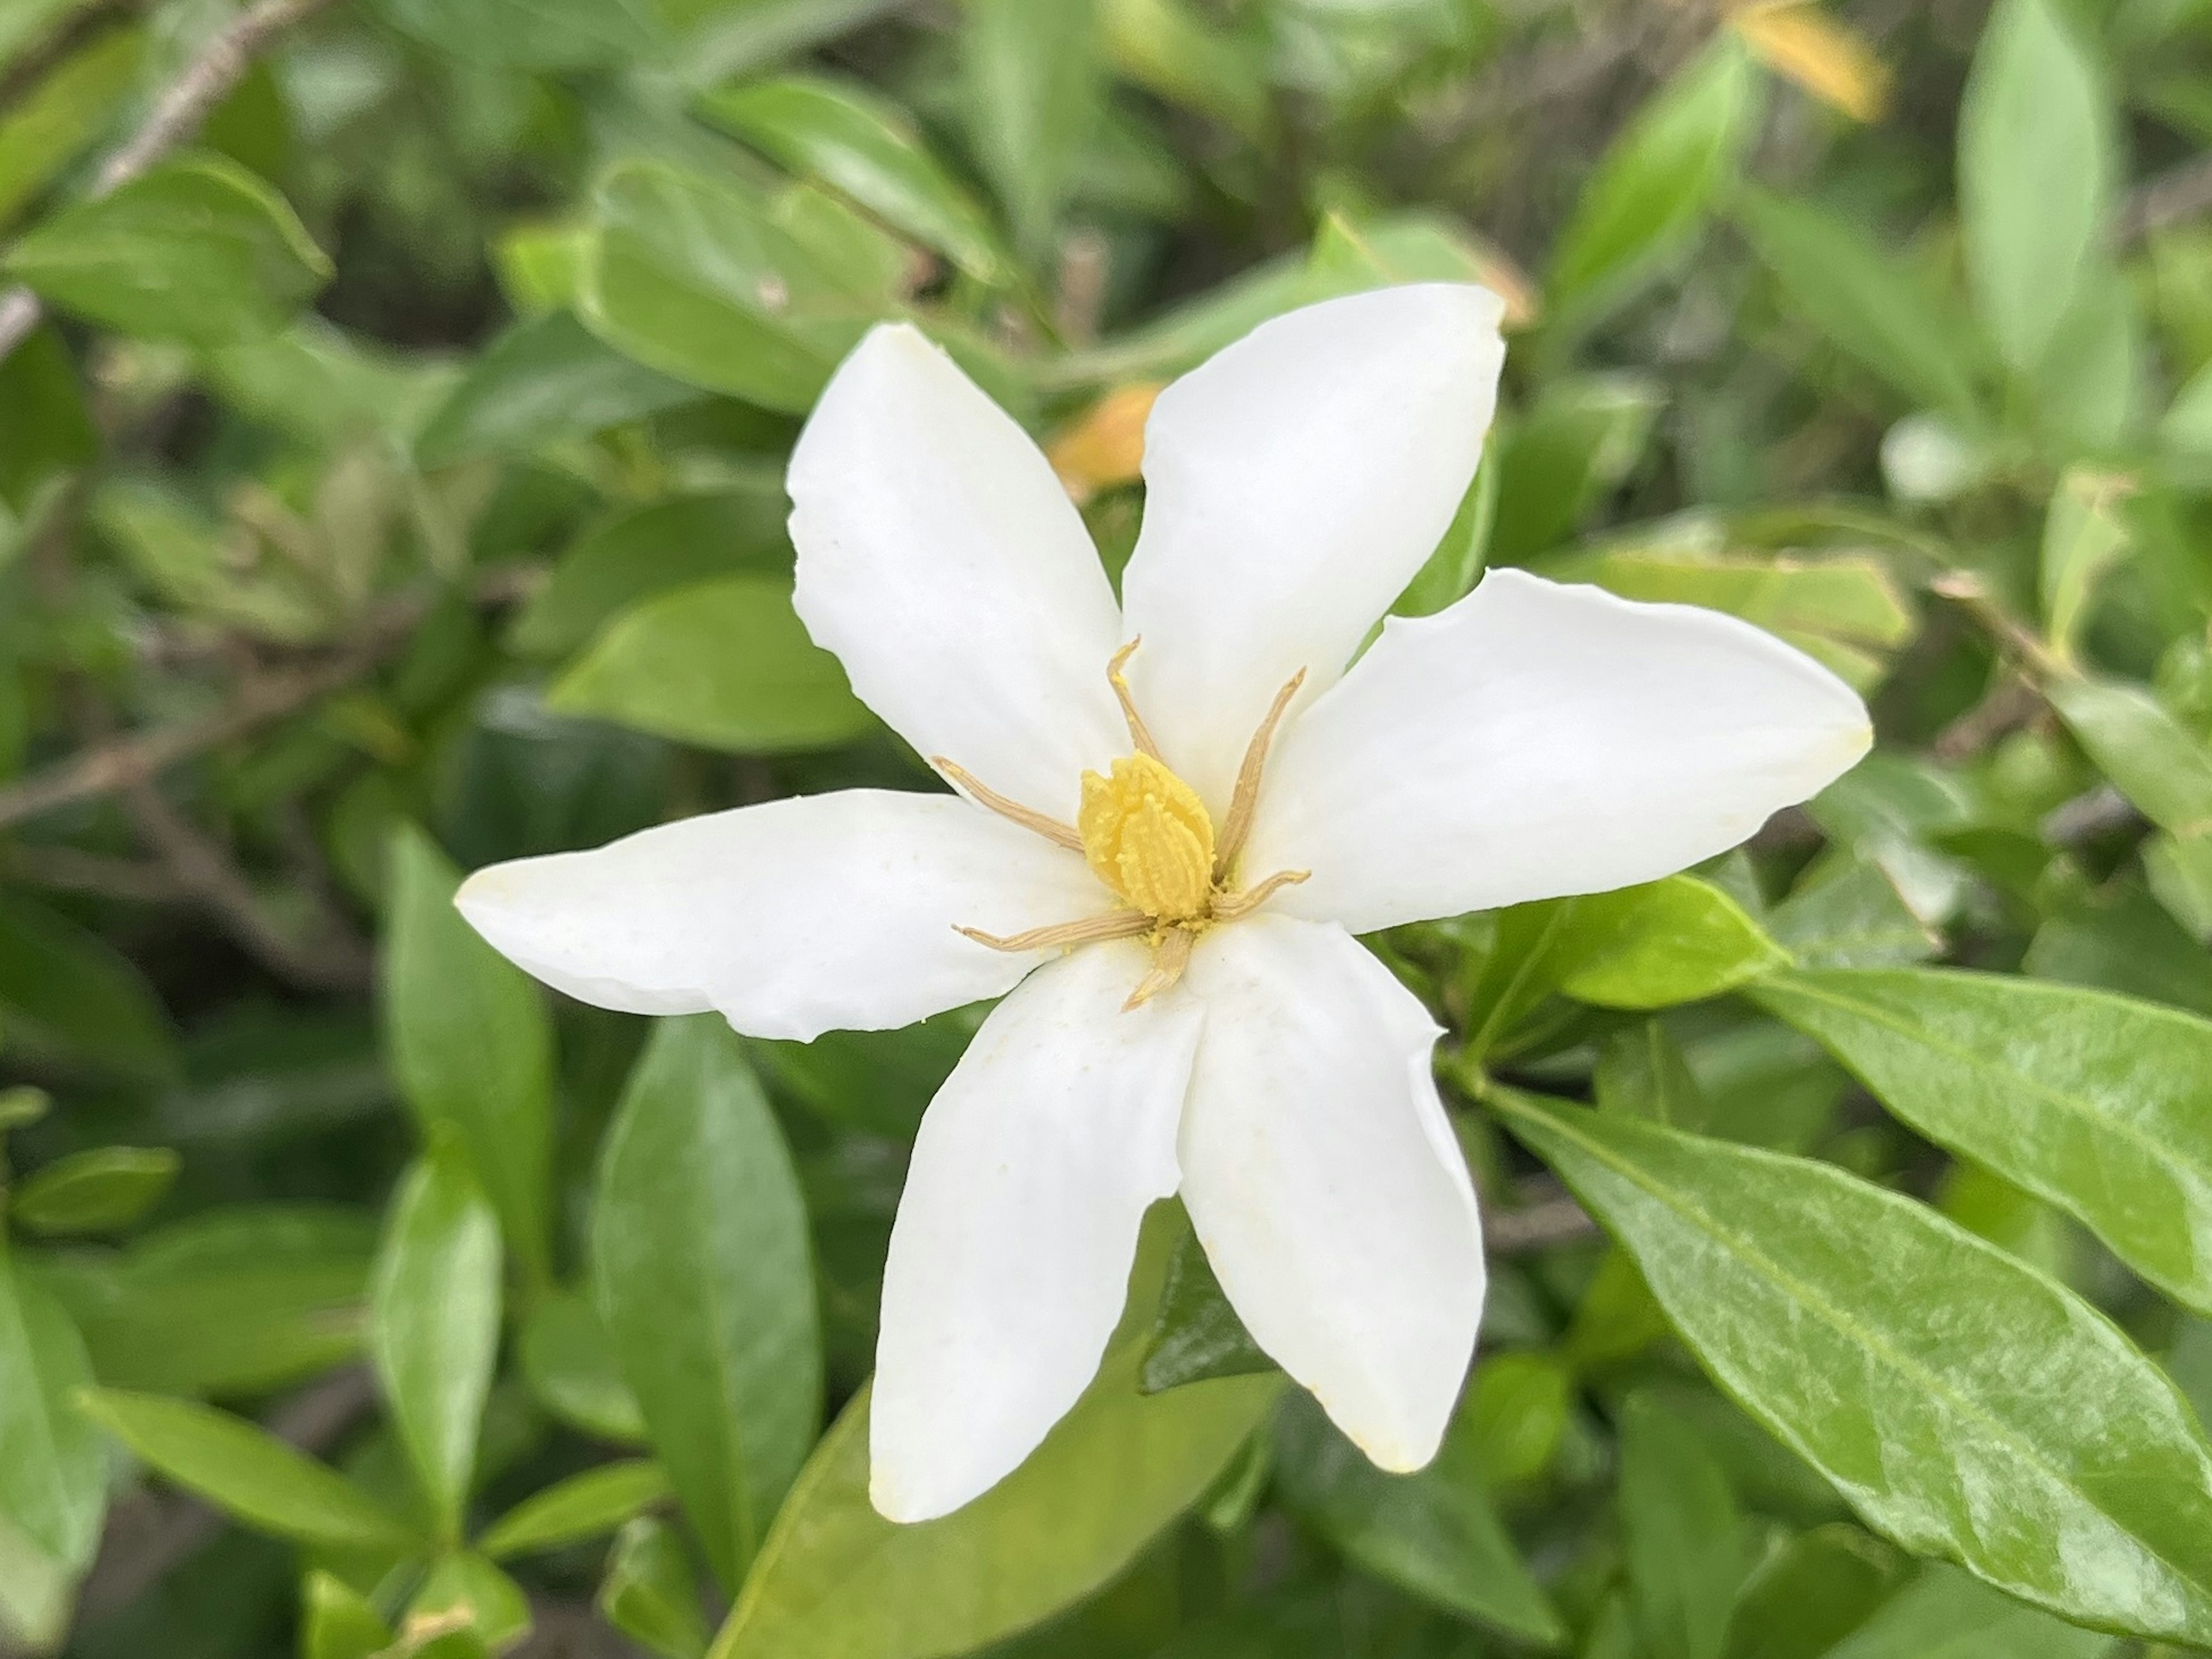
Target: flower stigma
point(1147, 836)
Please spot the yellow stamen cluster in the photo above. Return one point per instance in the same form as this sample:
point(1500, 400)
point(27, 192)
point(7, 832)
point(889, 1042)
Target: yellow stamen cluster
point(1148, 836)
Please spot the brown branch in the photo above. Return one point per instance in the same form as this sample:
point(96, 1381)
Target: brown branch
point(1546, 1215)
point(202, 869)
point(176, 116)
point(66, 869)
point(2178, 194)
point(2010, 705)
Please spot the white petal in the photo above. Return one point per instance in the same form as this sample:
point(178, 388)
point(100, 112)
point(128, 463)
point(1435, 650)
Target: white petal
point(1293, 485)
point(800, 916)
point(1536, 740)
point(942, 561)
point(1324, 1181)
point(1010, 1259)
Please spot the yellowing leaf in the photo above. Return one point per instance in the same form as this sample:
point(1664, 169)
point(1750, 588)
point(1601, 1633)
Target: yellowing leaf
point(1104, 445)
point(1797, 40)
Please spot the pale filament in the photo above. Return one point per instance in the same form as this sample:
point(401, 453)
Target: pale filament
point(1172, 941)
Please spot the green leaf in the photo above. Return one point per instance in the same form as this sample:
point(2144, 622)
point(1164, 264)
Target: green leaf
point(538, 34)
point(53, 1485)
point(2035, 173)
point(199, 250)
point(44, 428)
point(649, 1593)
point(245, 1470)
point(705, 1280)
point(1173, 49)
point(63, 114)
point(1653, 190)
point(2152, 758)
point(584, 1506)
point(572, 1368)
point(237, 1300)
point(1195, 1333)
point(470, 1042)
point(1584, 437)
point(835, 1579)
point(1677, 940)
point(433, 1324)
point(713, 284)
point(845, 136)
point(544, 380)
point(1851, 916)
point(337, 1623)
point(1944, 1614)
point(1868, 305)
point(2084, 532)
point(1432, 1534)
point(1641, 1073)
point(1515, 1417)
point(1921, 1369)
point(464, 1586)
point(1035, 90)
point(65, 992)
point(726, 664)
point(1682, 1531)
point(94, 1191)
point(2091, 1100)
point(646, 551)
point(1807, 1596)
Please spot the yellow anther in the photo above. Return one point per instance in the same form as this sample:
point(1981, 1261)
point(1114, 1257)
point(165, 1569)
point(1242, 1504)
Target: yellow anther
point(1146, 835)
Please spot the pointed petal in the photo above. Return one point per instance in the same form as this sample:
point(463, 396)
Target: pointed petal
point(1536, 740)
point(799, 916)
point(1325, 1183)
point(1011, 1256)
point(1293, 485)
point(942, 561)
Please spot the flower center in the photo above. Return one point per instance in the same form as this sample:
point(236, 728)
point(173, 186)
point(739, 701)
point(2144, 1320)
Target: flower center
point(1146, 835)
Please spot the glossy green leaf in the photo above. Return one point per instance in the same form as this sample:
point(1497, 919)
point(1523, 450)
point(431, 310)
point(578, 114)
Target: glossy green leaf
point(433, 1324)
point(1936, 1382)
point(1433, 1534)
point(1035, 88)
point(94, 1191)
point(199, 250)
point(724, 664)
point(470, 1045)
point(571, 1367)
point(63, 114)
point(231, 1301)
point(708, 281)
point(1806, 1597)
point(1869, 306)
point(2125, 942)
point(646, 551)
point(704, 1274)
point(464, 1586)
point(1515, 1417)
point(649, 1593)
point(837, 1580)
point(2034, 174)
point(1852, 916)
point(2091, 1100)
point(544, 380)
point(1944, 1614)
point(2151, 758)
point(1641, 1073)
point(845, 136)
point(245, 1470)
point(52, 1477)
point(586, 1505)
point(1580, 441)
point(539, 35)
point(1654, 188)
point(337, 1622)
point(1195, 1333)
point(1677, 940)
point(1682, 1533)
point(67, 993)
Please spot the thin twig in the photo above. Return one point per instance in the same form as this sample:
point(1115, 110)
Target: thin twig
point(204, 870)
point(2178, 194)
point(2010, 705)
point(176, 116)
point(1546, 1217)
point(66, 869)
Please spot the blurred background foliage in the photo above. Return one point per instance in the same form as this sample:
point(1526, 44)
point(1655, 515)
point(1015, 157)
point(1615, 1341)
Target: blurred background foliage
point(392, 432)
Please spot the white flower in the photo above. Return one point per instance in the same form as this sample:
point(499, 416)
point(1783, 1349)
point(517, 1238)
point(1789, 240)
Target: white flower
point(1219, 1033)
